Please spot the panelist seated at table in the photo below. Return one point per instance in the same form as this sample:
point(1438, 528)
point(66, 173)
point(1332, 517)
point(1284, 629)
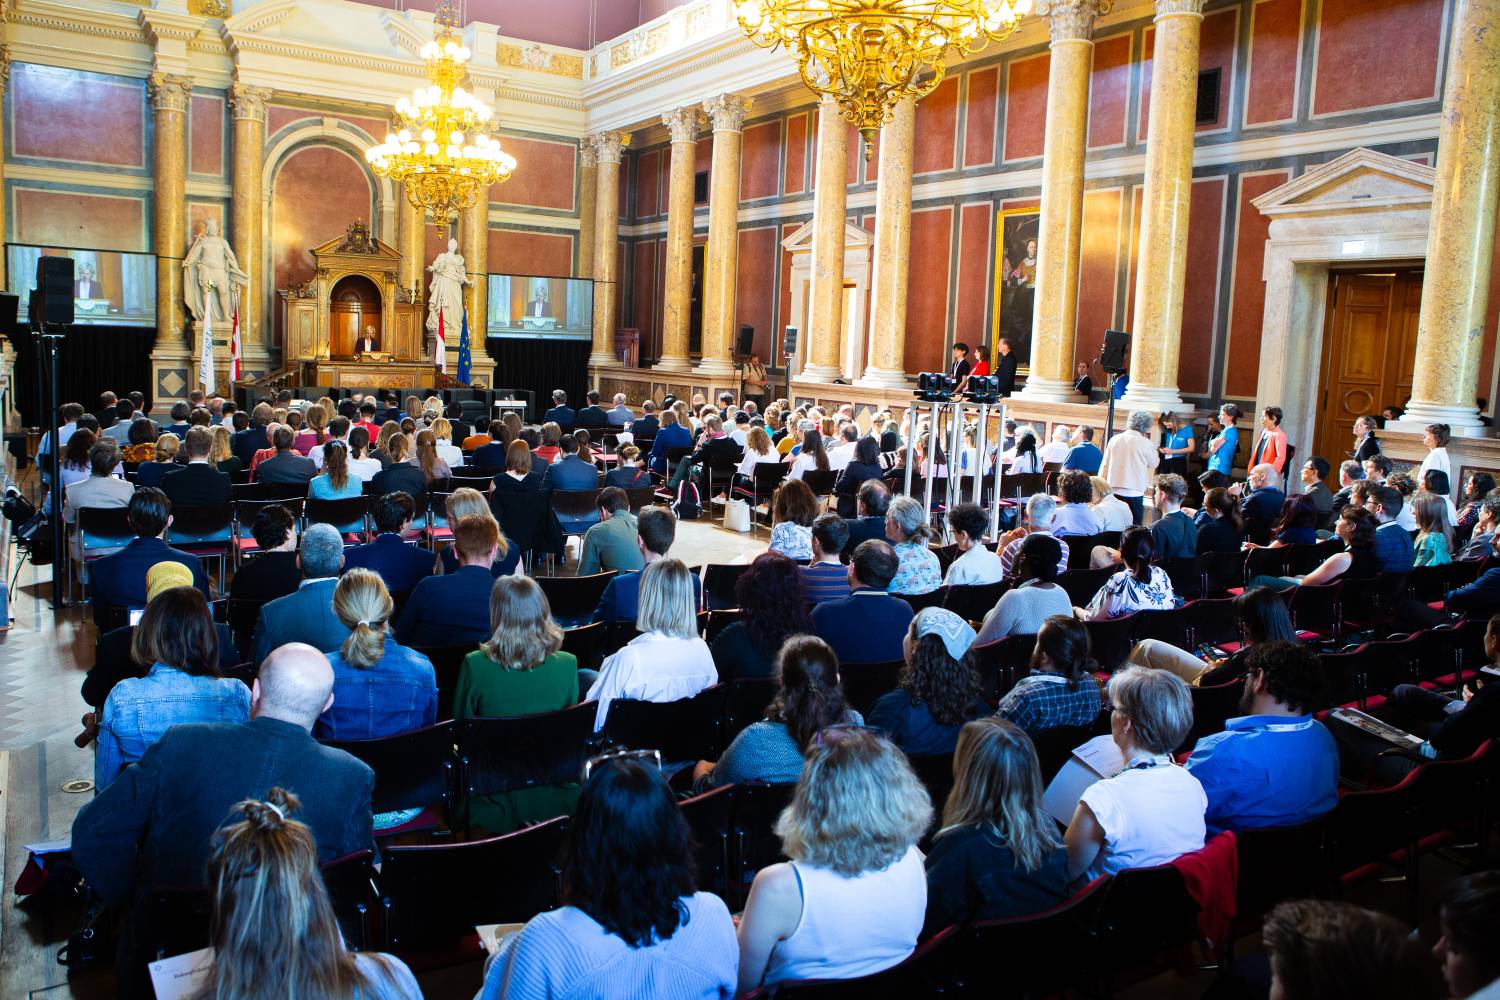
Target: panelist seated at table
point(367, 343)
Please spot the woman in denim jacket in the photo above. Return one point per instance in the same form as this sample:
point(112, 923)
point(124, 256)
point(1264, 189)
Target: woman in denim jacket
point(177, 637)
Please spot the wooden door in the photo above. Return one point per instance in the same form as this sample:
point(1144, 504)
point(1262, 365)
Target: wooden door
point(1369, 348)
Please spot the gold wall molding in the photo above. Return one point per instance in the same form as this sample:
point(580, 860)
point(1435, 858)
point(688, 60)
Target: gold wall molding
point(539, 59)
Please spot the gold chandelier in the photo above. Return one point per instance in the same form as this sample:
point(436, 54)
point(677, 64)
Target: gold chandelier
point(440, 146)
point(869, 54)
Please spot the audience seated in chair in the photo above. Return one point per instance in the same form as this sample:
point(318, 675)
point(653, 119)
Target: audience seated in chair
point(906, 527)
point(862, 468)
point(560, 413)
point(401, 566)
point(1319, 949)
point(939, 689)
point(1075, 516)
point(774, 607)
point(273, 571)
point(1040, 511)
point(613, 543)
point(1393, 543)
point(306, 615)
point(469, 502)
point(177, 646)
point(380, 688)
point(632, 923)
point(668, 661)
point(401, 476)
point(454, 609)
point(198, 483)
point(874, 502)
point(656, 529)
point(868, 626)
point(274, 931)
point(793, 510)
point(1173, 533)
point(1036, 595)
point(851, 900)
point(1275, 765)
point(286, 466)
point(631, 473)
point(975, 565)
point(154, 826)
point(1151, 812)
point(998, 854)
point(1453, 728)
point(1356, 529)
point(826, 578)
point(1060, 690)
point(163, 460)
point(119, 580)
point(1139, 585)
point(337, 481)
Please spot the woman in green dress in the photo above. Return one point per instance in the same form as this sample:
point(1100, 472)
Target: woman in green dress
point(520, 670)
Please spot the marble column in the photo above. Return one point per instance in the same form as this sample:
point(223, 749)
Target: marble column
point(721, 256)
point(588, 204)
point(247, 207)
point(610, 146)
point(411, 244)
point(474, 244)
point(825, 312)
point(886, 367)
point(1161, 273)
point(169, 102)
point(1461, 244)
point(1055, 315)
point(677, 309)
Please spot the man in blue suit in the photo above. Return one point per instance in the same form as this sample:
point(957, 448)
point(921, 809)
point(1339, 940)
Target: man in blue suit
point(656, 529)
point(307, 614)
point(561, 413)
point(119, 580)
point(401, 566)
point(869, 625)
point(492, 455)
point(454, 609)
point(570, 473)
point(593, 415)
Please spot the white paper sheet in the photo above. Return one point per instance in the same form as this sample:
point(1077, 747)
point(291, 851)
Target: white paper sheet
point(181, 976)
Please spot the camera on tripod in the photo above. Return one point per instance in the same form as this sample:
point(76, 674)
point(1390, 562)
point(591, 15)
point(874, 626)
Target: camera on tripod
point(935, 387)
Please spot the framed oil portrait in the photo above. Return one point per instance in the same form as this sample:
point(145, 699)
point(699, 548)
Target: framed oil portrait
point(1015, 282)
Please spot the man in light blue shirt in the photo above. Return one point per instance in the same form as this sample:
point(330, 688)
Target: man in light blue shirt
point(1275, 765)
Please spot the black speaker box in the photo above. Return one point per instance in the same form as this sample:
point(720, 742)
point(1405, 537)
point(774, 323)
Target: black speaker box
point(1114, 357)
point(54, 280)
point(747, 340)
point(789, 342)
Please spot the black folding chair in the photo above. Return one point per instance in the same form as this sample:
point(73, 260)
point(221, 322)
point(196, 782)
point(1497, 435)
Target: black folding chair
point(574, 598)
point(349, 516)
point(864, 683)
point(719, 580)
point(683, 730)
point(413, 770)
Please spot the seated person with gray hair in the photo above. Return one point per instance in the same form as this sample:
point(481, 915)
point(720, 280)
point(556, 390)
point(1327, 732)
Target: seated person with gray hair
point(306, 615)
point(1040, 510)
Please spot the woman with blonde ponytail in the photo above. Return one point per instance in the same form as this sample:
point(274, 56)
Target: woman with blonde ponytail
point(379, 688)
point(273, 932)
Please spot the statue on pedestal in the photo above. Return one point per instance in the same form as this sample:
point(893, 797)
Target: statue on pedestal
point(446, 293)
point(212, 278)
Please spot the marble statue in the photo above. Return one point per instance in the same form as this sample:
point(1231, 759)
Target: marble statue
point(211, 276)
point(446, 293)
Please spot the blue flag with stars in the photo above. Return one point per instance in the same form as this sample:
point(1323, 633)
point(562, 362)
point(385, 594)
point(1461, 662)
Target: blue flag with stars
point(465, 360)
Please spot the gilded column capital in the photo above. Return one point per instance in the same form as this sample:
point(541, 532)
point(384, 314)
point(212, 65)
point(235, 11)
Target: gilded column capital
point(727, 112)
point(248, 103)
point(169, 92)
point(588, 151)
point(4, 66)
point(608, 146)
point(1166, 8)
point(1072, 20)
point(683, 124)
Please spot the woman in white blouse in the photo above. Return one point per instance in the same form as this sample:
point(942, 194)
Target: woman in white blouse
point(1152, 811)
point(1056, 450)
point(668, 661)
point(1026, 459)
point(811, 455)
point(1114, 513)
point(758, 449)
point(446, 449)
point(1435, 437)
point(1139, 586)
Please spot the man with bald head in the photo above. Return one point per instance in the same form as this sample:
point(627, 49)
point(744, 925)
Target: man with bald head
point(153, 825)
point(1262, 501)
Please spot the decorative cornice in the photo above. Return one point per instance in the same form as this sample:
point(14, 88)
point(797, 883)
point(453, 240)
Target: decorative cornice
point(402, 33)
point(727, 112)
point(248, 103)
point(683, 124)
point(539, 59)
point(1167, 8)
point(161, 26)
point(1072, 20)
point(609, 146)
point(170, 93)
point(128, 30)
point(260, 17)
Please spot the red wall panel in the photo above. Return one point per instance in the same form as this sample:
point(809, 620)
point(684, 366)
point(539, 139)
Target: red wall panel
point(519, 251)
point(981, 108)
point(760, 159)
point(1200, 304)
point(643, 285)
point(937, 129)
point(1026, 107)
point(797, 127)
point(649, 168)
point(317, 192)
point(855, 155)
point(1109, 91)
point(975, 242)
point(755, 289)
point(1247, 302)
point(543, 177)
point(1400, 37)
point(63, 114)
point(1215, 50)
point(1099, 259)
point(206, 135)
point(1275, 40)
point(927, 288)
point(71, 219)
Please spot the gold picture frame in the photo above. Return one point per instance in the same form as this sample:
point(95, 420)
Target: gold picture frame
point(1016, 231)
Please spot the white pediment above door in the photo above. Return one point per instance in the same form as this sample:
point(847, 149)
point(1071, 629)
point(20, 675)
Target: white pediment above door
point(801, 238)
point(1361, 180)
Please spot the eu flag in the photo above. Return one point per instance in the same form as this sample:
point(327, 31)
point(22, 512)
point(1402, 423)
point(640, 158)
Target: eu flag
point(465, 361)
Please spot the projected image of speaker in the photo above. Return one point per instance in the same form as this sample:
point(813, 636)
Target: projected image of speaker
point(746, 342)
point(1114, 357)
point(54, 283)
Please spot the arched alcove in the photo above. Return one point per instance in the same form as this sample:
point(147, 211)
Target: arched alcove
point(354, 304)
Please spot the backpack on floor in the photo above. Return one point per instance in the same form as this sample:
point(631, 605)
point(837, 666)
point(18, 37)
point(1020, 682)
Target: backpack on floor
point(685, 506)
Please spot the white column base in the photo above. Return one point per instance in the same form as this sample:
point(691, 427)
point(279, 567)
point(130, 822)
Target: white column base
point(602, 359)
point(1461, 420)
point(670, 364)
point(714, 368)
point(884, 378)
point(820, 373)
point(1157, 398)
point(1049, 390)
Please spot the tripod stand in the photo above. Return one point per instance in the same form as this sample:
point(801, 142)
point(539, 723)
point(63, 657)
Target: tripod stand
point(49, 338)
